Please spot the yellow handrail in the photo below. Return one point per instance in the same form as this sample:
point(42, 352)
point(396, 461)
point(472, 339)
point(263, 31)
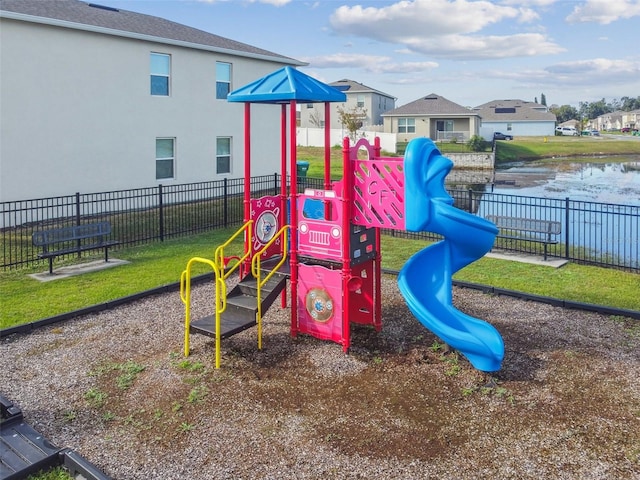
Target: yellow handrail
point(219, 257)
point(257, 272)
point(220, 304)
point(221, 274)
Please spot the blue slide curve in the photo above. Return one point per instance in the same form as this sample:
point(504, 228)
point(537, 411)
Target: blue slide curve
point(425, 280)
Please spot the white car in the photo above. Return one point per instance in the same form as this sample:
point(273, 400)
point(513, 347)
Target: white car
point(567, 130)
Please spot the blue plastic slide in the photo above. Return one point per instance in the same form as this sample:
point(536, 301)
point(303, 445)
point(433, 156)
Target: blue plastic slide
point(425, 280)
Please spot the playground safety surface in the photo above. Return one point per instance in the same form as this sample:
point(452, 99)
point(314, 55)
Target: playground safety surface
point(114, 387)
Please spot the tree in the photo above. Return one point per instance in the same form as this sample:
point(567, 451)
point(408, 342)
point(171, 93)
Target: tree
point(543, 99)
point(629, 103)
point(314, 118)
point(352, 119)
point(594, 109)
point(564, 113)
point(535, 99)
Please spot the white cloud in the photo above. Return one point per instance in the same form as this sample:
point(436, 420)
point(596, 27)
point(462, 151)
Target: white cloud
point(444, 28)
point(530, 3)
point(276, 3)
point(368, 63)
point(598, 71)
point(604, 11)
point(461, 47)
point(428, 18)
point(528, 15)
point(597, 68)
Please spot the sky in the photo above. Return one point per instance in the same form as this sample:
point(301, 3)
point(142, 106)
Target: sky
point(470, 52)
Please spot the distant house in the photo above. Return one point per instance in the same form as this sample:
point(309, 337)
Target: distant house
point(97, 99)
point(610, 121)
point(371, 102)
point(631, 119)
point(515, 117)
point(432, 116)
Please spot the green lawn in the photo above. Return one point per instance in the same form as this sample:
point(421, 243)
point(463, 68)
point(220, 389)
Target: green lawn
point(531, 148)
point(25, 299)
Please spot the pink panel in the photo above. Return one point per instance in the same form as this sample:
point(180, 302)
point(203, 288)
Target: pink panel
point(320, 302)
point(378, 197)
point(318, 237)
point(361, 301)
point(265, 212)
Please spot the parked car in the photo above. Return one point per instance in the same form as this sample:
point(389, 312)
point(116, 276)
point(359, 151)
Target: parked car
point(567, 131)
point(628, 130)
point(502, 136)
point(595, 133)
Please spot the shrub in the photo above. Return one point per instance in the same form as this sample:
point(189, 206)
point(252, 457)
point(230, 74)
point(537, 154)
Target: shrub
point(477, 143)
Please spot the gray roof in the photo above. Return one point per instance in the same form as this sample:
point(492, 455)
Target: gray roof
point(432, 104)
point(514, 111)
point(351, 86)
point(77, 14)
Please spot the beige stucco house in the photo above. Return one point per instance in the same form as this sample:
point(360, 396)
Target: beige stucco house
point(432, 116)
point(370, 102)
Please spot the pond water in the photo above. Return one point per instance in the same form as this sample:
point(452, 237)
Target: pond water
point(605, 179)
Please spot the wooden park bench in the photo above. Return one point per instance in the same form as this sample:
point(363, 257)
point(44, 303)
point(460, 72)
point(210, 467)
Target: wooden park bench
point(73, 239)
point(527, 229)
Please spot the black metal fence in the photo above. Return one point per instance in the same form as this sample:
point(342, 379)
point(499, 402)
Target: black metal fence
point(592, 233)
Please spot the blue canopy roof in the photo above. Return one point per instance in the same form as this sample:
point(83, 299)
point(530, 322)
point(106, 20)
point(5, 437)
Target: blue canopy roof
point(285, 85)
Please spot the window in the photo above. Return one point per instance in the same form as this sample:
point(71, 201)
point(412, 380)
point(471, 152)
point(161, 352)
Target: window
point(165, 158)
point(406, 125)
point(223, 80)
point(360, 101)
point(160, 73)
point(223, 155)
point(444, 125)
point(509, 127)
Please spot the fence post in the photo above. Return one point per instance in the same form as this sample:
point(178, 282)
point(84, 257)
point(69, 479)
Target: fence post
point(275, 184)
point(225, 203)
point(566, 233)
point(161, 213)
point(78, 217)
point(470, 200)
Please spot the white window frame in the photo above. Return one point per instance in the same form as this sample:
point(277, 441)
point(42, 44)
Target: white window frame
point(220, 81)
point(160, 74)
point(406, 125)
point(164, 159)
point(222, 155)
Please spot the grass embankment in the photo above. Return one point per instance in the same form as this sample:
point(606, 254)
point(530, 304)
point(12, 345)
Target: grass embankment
point(532, 148)
point(25, 299)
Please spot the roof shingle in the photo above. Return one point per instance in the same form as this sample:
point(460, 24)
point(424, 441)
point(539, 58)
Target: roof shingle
point(77, 12)
point(432, 104)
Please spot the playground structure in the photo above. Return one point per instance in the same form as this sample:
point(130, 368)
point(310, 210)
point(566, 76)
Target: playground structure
point(326, 242)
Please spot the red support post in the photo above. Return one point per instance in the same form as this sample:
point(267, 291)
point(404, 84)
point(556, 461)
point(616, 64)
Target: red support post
point(346, 243)
point(327, 146)
point(247, 183)
point(283, 180)
point(293, 215)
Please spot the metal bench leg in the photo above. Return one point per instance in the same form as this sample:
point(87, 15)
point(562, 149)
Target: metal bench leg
point(50, 265)
point(106, 255)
